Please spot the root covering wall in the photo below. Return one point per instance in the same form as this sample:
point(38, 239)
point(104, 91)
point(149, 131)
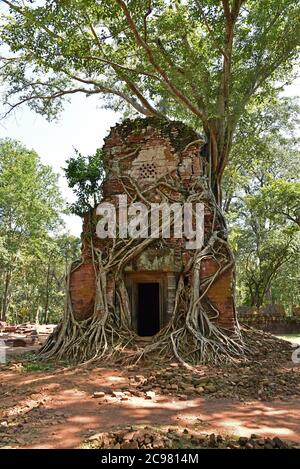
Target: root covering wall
point(151, 161)
point(159, 160)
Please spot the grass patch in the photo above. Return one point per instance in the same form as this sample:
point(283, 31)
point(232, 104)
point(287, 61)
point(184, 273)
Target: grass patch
point(37, 366)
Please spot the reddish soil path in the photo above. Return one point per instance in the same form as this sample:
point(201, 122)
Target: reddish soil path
point(56, 409)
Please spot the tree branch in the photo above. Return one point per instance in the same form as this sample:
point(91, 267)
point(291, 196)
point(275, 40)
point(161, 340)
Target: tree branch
point(209, 29)
point(148, 108)
point(170, 86)
point(60, 93)
point(226, 9)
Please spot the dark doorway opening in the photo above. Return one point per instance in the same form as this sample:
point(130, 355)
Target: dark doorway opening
point(148, 309)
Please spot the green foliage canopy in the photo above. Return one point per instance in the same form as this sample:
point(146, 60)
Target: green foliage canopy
point(84, 175)
point(33, 253)
point(202, 61)
point(262, 194)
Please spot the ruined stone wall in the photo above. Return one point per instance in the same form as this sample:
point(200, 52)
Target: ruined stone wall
point(148, 150)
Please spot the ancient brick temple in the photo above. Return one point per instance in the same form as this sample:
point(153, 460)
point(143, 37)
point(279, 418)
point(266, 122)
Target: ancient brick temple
point(137, 155)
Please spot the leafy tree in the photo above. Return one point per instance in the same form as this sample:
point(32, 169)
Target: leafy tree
point(203, 61)
point(30, 206)
point(263, 247)
point(37, 292)
point(84, 175)
point(262, 202)
point(285, 287)
point(265, 148)
point(282, 200)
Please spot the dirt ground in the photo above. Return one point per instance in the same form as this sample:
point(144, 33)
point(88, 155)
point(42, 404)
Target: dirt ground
point(50, 406)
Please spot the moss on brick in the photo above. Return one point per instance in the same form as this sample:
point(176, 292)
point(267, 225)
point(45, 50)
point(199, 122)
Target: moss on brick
point(178, 133)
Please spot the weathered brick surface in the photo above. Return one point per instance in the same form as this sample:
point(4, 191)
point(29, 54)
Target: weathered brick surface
point(82, 291)
point(220, 293)
point(146, 150)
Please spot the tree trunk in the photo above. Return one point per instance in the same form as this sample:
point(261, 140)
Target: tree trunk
point(46, 309)
point(37, 316)
point(5, 298)
point(258, 295)
point(219, 146)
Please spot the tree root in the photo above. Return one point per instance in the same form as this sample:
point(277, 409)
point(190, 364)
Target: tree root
point(192, 335)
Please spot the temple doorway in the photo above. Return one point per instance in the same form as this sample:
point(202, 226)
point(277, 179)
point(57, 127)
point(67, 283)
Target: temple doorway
point(148, 309)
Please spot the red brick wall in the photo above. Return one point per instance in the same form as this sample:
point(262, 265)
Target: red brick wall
point(82, 291)
point(220, 293)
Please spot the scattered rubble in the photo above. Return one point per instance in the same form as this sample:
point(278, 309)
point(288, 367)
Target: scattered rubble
point(252, 381)
point(24, 335)
point(151, 438)
point(268, 374)
point(248, 381)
